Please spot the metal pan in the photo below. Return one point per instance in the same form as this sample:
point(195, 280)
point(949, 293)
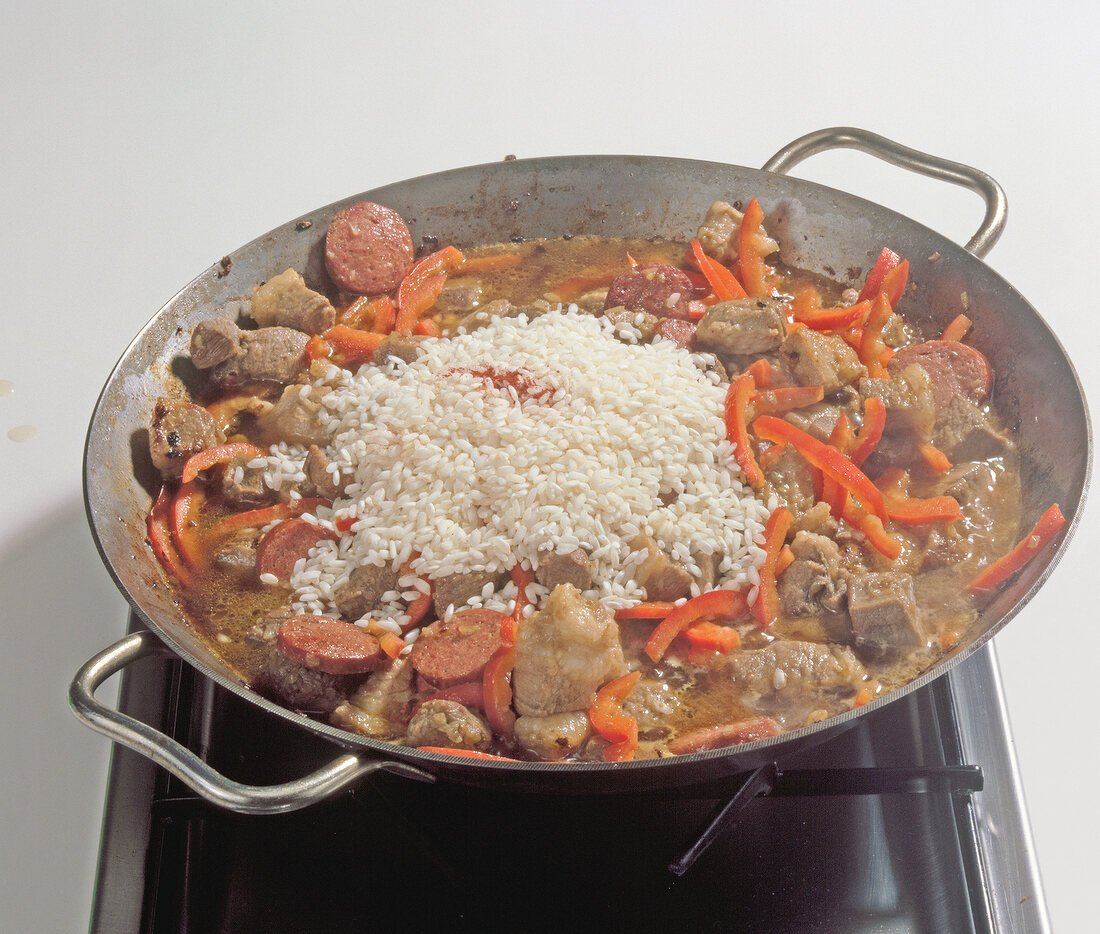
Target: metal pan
point(821, 230)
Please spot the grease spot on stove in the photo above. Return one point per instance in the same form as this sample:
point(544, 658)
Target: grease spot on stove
point(22, 433)
point(7, 387)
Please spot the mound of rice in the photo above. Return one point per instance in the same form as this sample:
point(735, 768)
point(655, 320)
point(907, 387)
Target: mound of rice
point(581, 441)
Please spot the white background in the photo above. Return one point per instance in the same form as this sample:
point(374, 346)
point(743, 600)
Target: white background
point(140, 143)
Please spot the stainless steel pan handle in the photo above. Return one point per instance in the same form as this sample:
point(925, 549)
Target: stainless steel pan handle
point(846, 137)
point(189, 768)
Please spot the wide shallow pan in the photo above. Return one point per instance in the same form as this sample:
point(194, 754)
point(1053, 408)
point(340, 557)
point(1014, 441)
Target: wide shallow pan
point(821, 230)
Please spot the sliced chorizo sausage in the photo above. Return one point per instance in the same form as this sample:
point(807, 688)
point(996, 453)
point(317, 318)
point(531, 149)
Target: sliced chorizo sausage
point(657, 288)
point(368, 249)
point(282, 546)
point(330, 645)
point(449, 652)
point(726, 734)
point(952, 367)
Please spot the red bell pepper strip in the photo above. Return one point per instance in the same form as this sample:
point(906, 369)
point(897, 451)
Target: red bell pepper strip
point(204, 460)
point(957, 329)
point(655, 609)
point(843, 439)
point(465, 753)
point(257, 518)
point(784, 561)
point(829, 319)
point(392, 644)
point(935, 458)
point(753, 270)
point(711, 637)
point(608, 719)
point(352, 345)
point(494, 262)
point(496, 688)
point(724, 604)
point(761, 373)
point(723, 283)
point(422, 285)
point(317, 348)
point(786, 398)
point(873, 528)
point(161, 539)
point(893, 283)
point(894, 483)
point(765, 610)
point(418, 607)
point(737, 401)
point(521, 577)
point(185, 508)
point(871, 345)
point(874, 423)
point(827, 459)
point(427, 327)
point(886, 261)
point(469, 694)
point(576, 286)
point(998, 573)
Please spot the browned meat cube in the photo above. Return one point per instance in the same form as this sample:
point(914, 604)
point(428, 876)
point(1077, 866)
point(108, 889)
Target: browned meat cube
point(817, 420)
point(884, 611)
point(458, 298)
point(555, 736)
point(382, 705)
point(364, 589)
point(302, 687)
point(643, 321)
point(237, 553)
point(274, 354)
point(661, 576)
point(214, 342)
point(565, 652)
point(824, 360)
point(320, 481)
point(804, 671)
point(295, 417)
point(964, 433)
point(909, 400)
point(573, 568)
point(791, 479)
point(721, 230)
point(179, 429)
point(243, 486)
point(448, 723)
point(744, 326)
point(286, 301)
point(404, 347)
point(456, 589)
point(815, 580)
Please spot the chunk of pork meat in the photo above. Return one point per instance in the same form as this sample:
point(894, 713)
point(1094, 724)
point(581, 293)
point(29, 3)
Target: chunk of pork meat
point(815, 579)
point(796, 671)
point(300, 686)
point(573, 568)
point(792, 480)
point(286, 301)
point(743, 326)
point(720, 233)
point(214, 342)
point(382, 705)
point(661, 576)
point(364, 589)
point(180, 429)
point(320, 481)
point(884, 611)
point(555, 736)
point(816, 359)
point(965, 433)
point(908, 398)
point(246, 489)
point(405, 347)
point(457, 589)
point(565, 652)
point(448, 723)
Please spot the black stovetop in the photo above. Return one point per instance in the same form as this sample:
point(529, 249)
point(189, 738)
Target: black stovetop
point(396, 855)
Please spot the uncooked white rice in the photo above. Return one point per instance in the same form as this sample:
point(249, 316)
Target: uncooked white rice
point(467, 475)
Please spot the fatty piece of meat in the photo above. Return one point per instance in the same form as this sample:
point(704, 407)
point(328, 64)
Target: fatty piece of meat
point(965, 433)
point(178, 430)
point(573, 568)
point(786, 672)
point(908, 398)
point(286, 301)
point(720, 232)
point(742, 326)
point(816, 359)
point(214, 341)
point(663, 578)
point(815, 580)
point(565, 653)
point(364, 589)
point(301, 687)
point(456, 589)
point(553, 737)
point(320, 481)
point(883, 610)
point(243, 486)
point(296, 416)
point(448, 723)
point(381, 706)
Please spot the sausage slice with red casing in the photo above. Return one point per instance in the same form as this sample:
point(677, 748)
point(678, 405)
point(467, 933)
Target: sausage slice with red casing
point(953, 369)
point(368, 249)
point(284, 544)
point(457, 650)
point(656, 288)
point(329, 645)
